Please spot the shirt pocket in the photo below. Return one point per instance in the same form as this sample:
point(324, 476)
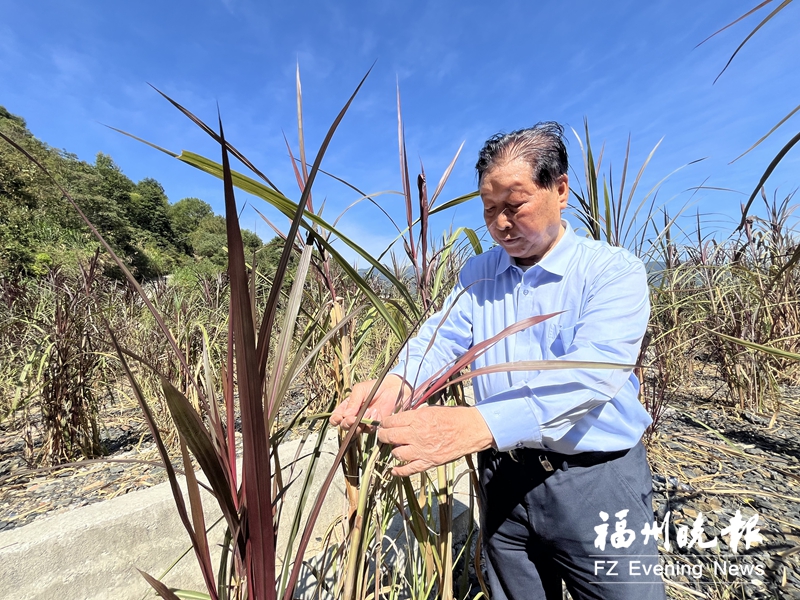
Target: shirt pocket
point(562, 338)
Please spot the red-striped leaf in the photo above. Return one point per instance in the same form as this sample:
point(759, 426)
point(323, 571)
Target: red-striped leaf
point(256, 469)
point(159, 587)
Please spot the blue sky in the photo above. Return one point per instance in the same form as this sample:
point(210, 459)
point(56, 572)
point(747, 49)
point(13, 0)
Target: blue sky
point(465, 69)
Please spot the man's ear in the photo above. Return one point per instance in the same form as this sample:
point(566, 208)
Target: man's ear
point(562, 188)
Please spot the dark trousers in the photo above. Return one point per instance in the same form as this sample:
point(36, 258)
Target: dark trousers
point(541, 520)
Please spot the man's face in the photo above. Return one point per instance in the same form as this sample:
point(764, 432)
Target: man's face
point(523, 217)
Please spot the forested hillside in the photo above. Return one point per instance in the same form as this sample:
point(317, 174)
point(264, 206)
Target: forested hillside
point(40, 231)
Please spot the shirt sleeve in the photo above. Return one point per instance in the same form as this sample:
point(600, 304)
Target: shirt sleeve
point(450, 328)
point(610, 328)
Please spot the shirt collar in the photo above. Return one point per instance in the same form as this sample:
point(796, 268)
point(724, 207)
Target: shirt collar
point(556, 261)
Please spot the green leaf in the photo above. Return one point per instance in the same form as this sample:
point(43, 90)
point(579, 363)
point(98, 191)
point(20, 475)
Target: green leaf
point(288, 208)
point(454, 202)
point(477, 248)
point(191, 595)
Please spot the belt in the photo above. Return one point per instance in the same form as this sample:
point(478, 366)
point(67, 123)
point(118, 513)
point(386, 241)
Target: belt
point(550, 461)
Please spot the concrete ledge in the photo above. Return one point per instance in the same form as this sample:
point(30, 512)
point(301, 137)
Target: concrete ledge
point(92, 553)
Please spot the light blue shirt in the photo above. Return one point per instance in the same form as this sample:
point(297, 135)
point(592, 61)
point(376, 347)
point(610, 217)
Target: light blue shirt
point(604, 295)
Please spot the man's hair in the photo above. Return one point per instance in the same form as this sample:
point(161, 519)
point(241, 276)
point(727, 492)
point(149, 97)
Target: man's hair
point(541, 146)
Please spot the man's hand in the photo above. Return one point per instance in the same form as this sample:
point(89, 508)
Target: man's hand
point(393, 392)
point(433, 436)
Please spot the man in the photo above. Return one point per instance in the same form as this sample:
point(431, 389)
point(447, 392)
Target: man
point(562, 468)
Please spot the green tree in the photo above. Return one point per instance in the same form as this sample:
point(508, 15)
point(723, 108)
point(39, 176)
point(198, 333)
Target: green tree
point(209, 240)
point(185, 217)
point(149, 206)
point(39, 230)
point(24, 192)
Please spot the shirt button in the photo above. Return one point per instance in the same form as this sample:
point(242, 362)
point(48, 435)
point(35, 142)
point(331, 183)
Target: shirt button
point(525, 292)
